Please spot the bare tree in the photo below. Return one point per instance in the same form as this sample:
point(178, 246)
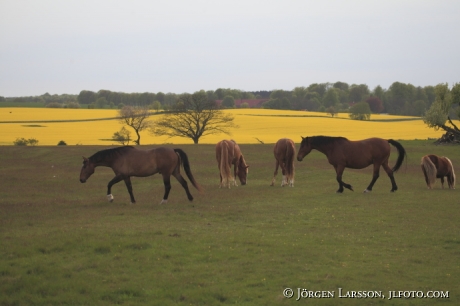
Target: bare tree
point(137, 118)
point(194, 116)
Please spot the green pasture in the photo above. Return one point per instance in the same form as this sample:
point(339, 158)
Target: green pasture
point(62, 243)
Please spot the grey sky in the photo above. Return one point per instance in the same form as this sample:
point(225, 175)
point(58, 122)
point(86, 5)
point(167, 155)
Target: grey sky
point(188, 45)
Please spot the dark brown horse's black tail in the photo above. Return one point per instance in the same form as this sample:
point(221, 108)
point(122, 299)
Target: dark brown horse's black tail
point(185, 163)
point(401, 156)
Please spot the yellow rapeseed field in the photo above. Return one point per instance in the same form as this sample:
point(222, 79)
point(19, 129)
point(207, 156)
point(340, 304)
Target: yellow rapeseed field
point(254, 124)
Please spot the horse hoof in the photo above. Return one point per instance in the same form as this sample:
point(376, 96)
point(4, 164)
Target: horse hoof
point(110, 198)
point(163, 201)
point(367, 191)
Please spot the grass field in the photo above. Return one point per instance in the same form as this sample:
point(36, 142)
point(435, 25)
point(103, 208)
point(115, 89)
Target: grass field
point(62, 243)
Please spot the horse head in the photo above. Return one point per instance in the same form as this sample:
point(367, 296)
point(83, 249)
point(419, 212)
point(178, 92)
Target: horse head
point(86, 170)
point(305, 148)
point(242, 170)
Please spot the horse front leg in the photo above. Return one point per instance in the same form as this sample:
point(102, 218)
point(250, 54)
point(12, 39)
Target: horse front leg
point(442, 182)
point(275, 173)
point(115, 180)
point(339, 170)
point(235, 169)
point(374, 178)
point(129, 186)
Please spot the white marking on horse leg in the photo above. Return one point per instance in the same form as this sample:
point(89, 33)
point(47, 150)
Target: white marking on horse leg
point(164, 201)
point(367, 191)
point(110, 197)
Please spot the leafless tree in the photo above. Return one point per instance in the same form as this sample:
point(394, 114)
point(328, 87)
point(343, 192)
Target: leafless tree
point(194, 116)
point(137, 118)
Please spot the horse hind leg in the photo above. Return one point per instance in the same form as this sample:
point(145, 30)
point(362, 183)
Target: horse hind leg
point(285, 176)
point(184, 184)
point(388, 170)
point(275, 173)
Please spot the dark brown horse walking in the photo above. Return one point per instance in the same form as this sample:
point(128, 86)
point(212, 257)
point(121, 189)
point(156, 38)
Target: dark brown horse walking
point(128, 161)
point(343, 153)
point(434, 167)
point(284, 152)
point(228, 153)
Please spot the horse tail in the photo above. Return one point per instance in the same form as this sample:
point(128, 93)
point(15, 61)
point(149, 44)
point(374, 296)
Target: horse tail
point(186, 165)
point(429, 170)
point(290, 152)
point(401, 156)
point(452, 171)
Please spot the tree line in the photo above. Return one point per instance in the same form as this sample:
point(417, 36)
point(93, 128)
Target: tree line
point(398, 99)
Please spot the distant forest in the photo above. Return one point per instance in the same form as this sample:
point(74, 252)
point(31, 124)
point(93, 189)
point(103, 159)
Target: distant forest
point(398, 99)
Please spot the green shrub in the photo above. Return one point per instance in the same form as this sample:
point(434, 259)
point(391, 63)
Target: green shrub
point(25, 142)
point(62, 143)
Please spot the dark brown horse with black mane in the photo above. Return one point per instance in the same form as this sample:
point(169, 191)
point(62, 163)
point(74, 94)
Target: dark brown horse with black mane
point(284, 152)
point(434, 166)
point(228, 153)
point(128, 161)
point(343, 153)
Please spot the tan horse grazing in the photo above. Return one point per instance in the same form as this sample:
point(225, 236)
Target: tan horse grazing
point(434, 166)
point(343, 153)
point(228, 153)
point(128, 161)
point(284, 152)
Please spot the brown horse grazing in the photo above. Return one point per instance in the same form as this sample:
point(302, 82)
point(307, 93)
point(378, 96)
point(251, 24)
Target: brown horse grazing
point(228, 153)
point(128, 161)
point(434, 166)
point(284, 152)
point(343, 153)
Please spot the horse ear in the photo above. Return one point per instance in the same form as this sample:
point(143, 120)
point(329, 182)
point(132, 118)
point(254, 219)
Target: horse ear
point(302, 137)
point(84, 158)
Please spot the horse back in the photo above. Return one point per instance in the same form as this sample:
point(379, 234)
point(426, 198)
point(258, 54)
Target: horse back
point(362, 153)
point(443, 166)
point(284, 148)
point(146, 162)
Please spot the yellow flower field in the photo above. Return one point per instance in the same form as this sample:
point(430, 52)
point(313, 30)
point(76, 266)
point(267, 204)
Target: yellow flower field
point(263, 124)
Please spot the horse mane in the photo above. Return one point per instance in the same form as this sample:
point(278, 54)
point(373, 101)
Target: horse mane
point(322, 140)
point(106, 154)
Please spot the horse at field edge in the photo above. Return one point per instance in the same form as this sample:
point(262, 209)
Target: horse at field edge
point(128, 161)
point(228, 153)
point(284, 152)
point(434, 167)
point(343, 153)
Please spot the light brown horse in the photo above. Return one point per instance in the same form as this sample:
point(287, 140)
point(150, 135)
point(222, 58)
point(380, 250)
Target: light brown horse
point(284, 152)
point(343, 153)
point(128, 161)
point(434, 167)
point(228, 153)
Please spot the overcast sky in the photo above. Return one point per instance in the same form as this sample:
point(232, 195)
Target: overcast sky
point(181, 46)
